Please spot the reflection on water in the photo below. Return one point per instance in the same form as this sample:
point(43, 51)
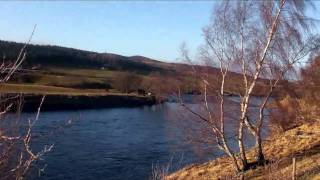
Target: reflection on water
point(118, 143)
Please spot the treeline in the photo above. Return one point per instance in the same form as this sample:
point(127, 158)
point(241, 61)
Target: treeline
point(44, 56)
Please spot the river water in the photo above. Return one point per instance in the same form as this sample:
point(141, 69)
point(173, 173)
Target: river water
point(115, 143)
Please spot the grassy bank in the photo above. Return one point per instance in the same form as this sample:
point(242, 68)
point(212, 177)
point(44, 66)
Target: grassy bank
point(60, 98)
point(53, 90)
point(302, 142)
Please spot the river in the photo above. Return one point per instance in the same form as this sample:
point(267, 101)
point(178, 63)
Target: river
point(115, 143)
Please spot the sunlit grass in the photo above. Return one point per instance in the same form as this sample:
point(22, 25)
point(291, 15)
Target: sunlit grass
point(302, 142)
point(42, 89)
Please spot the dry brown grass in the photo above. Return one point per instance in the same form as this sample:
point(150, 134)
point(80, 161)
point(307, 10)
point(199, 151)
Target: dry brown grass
point(302, 142)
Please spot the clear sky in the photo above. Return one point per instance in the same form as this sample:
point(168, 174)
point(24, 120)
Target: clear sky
point(152, 29)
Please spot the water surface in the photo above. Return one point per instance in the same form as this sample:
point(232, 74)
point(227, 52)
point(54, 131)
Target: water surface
point(118, 143)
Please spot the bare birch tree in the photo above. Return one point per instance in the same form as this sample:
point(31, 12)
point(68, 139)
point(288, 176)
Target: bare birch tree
point(16, 155)
point(260, 40)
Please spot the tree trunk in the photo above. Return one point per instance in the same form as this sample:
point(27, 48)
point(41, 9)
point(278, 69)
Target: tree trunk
point(259, 155)
point(242, 150)
point(227, 150)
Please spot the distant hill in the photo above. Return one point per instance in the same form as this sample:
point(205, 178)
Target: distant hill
point(45, 56)
point(68, 67)
point(49, 56)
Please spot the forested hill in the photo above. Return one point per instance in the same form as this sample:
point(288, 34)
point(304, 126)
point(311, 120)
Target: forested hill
point(68, 67)
point(47, 56)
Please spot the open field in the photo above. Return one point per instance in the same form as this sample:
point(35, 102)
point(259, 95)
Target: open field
point(51, 90)
point(66, 77)
point(86, 72)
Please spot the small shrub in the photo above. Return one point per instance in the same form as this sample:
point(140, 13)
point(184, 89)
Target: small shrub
point(290, 112)
point(307, 111)
point(284, 114)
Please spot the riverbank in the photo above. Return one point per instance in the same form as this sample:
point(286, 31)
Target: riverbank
point(64, 102)
point(302, 142)
point(59, 98)
point(51, 90)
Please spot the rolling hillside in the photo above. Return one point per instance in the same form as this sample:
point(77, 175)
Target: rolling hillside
point(57, 66)
point(67, 67)
point(45, 56)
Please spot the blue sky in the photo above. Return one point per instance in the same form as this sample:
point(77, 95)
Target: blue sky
point(152, 29)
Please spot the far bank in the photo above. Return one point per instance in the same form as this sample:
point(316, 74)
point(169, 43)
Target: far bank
point(65, 102)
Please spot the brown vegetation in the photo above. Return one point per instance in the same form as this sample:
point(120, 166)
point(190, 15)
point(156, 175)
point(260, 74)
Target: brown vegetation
point(302, 105)
point(127, 82)
point(302, 142)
